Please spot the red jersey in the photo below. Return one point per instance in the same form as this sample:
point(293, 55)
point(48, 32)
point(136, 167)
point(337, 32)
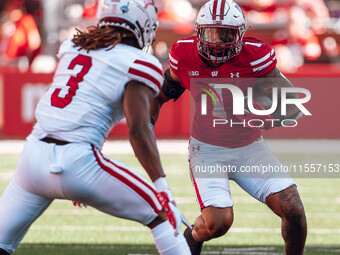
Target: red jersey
point(256, 59)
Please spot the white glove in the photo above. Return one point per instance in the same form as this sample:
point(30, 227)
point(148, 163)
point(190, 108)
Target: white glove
point(168, 203)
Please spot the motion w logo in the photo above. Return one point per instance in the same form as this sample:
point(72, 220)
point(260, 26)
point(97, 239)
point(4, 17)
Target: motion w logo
point(214, 73)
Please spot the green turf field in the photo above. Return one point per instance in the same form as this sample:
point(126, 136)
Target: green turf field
point(67, 230)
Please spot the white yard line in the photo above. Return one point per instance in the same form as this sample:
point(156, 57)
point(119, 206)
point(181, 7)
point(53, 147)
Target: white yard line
point(299, 146)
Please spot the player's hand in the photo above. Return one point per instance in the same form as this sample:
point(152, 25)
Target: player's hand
point(171, 211)
point(168, 204)
point(75, 203)
point(268, 120)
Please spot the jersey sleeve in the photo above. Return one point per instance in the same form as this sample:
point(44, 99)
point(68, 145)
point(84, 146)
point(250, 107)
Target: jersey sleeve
point(263, 59)
point(174, 60)
point(148, 72)
point(65, 46)
point(61, 50)
point(179, 56)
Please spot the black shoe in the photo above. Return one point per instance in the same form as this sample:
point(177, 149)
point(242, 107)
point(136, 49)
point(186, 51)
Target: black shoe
point(195, 247)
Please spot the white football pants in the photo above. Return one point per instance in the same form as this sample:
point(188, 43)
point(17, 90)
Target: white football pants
point(76, 171)
point(253, 167)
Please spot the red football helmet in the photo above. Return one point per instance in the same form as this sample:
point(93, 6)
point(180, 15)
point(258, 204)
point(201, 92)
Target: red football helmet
point(220, 27)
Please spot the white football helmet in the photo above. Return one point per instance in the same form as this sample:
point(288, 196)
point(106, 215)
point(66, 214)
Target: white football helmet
point(137, 16)
point(220, 27)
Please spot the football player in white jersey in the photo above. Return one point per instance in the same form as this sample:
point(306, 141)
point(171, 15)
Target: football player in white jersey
point(103, 75)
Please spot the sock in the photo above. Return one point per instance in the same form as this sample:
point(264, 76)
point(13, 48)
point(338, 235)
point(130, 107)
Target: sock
point(166, 241)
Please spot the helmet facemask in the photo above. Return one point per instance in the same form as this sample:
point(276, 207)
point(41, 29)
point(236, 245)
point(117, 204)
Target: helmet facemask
point(218, 43)
point(150, 34)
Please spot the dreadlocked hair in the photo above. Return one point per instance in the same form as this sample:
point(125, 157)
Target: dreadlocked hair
point(101, 37)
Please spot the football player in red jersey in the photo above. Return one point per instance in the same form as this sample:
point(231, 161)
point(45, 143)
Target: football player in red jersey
point(220, 50)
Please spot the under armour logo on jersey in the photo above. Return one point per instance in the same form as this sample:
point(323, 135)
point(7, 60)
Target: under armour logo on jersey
point(196, 148)
point(193, 73)
point(214, 73)
point(232, 75)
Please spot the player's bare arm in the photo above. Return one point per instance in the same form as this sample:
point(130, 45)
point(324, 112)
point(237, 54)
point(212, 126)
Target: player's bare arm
point(136, 105)
point(276, 80)
point(170, 90)
point(155, 107)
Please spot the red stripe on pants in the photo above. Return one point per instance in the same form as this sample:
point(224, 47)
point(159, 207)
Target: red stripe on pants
point(126, 181)
point(196, 189)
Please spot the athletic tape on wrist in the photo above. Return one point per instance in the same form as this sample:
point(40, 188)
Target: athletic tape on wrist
point(161, 184)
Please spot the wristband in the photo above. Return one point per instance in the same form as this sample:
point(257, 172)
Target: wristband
point(161, 184)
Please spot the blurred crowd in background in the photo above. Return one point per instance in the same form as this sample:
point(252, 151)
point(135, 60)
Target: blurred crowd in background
point(301, 31)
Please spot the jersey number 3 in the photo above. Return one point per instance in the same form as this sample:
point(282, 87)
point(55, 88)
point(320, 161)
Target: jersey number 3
point(73, 82)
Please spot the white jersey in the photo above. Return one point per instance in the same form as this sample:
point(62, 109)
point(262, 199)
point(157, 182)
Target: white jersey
point(85, 99)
